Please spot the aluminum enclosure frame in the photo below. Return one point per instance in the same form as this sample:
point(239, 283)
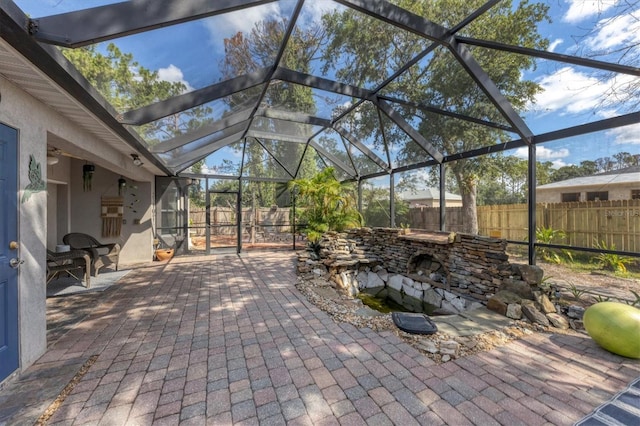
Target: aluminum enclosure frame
point(33, 38)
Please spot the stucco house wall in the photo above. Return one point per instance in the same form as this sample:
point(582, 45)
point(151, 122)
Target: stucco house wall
point(38, 125)
point(136, 238)
point(24, 113)
point(429, 197)
point(616, 192)
point(618, 184)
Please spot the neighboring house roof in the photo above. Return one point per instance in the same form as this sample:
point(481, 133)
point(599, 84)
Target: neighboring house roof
point(626, 175)
point(426, 194)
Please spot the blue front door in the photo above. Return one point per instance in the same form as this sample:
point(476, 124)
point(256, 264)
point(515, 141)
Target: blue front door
point(8, 251)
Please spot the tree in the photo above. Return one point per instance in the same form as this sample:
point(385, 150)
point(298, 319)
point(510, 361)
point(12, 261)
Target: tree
point(619, 161)
point(504, 180)
point(253, 51)
point(376, 209)
point(625, 159)
point(127, 85)
point(605, 164)
point(567, 172)
point(589, 167)
point(441, 82)
point(195, 192)
point(623, 91)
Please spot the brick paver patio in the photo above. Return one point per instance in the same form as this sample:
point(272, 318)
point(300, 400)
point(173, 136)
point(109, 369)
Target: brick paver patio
point(229, 340)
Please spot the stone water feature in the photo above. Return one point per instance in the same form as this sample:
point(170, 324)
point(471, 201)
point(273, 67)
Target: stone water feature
point(453, 272)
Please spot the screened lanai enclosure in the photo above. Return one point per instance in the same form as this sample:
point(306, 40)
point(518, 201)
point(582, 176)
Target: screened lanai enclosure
point(511, 119)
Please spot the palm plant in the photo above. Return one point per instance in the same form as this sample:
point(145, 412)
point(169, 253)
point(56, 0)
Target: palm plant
point(326, 204)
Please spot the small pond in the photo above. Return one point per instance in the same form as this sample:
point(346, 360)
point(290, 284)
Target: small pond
point(387, 299)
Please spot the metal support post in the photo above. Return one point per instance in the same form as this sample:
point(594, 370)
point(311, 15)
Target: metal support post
point(392, 201)
point(443, 206)
point(207, 219)
point(531, 208)
point(239, 215)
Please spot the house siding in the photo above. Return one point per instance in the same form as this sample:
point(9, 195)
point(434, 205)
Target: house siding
point(37, 125)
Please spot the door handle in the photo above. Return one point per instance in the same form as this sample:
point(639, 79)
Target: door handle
point(15, 263)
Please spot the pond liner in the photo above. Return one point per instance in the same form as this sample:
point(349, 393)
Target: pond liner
point(414, 323)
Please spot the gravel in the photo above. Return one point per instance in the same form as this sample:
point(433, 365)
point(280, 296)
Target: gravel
point(342, 308)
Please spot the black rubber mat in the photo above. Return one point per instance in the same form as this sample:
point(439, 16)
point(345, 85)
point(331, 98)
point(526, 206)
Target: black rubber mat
point(414, 323)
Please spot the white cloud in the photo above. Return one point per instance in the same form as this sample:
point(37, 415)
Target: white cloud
point(626, 135)
point(555, 43)
point(608, 113)
point(556, 164)
point(173, 74)
point(580, 10)
point(543, 153)
point(569, 91)
point(621, 30)
point(244, 20)
point(313, 11)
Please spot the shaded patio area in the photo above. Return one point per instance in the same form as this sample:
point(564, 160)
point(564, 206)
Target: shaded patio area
point(230, 340)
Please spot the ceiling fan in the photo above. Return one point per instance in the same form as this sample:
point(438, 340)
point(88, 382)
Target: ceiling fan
point(54, 153)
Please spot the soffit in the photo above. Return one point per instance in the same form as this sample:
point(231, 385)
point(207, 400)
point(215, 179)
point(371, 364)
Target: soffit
point(24, 75)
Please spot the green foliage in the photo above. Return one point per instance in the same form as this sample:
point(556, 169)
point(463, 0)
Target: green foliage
point(619, 161)
point(548, 235)
point(195, 191)
point(568, 254)
point(325, 204)
point(376, 209)
point(634, 302)
point(575, 291)
point(250, 51)
point(504, 181)
point(442, 82)
point(127, 85)
point(550, 256)
point(610, 261)
point(315, 247)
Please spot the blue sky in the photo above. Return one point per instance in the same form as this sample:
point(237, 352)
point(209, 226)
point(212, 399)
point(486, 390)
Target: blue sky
point(571, 94)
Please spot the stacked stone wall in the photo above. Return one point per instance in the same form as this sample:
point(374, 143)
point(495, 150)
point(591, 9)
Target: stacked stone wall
point(478, 266)
point(453, 272)
point(474, 266)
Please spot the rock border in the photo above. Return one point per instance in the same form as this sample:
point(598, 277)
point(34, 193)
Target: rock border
point(439, 347)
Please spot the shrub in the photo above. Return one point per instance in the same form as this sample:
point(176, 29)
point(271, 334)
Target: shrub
point(610, 261)
point(326, 204)
point(549, 235)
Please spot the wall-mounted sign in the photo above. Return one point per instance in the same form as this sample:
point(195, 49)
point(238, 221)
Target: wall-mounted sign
point(36, 184)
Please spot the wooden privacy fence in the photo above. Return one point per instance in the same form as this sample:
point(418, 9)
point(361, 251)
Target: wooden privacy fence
point(614, 223)
point(223, 219)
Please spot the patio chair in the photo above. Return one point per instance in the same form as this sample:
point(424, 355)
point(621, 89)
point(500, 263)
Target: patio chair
point(101, 254)
point(69, 262)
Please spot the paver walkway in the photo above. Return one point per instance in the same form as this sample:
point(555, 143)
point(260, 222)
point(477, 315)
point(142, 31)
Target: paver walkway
point(229, 340)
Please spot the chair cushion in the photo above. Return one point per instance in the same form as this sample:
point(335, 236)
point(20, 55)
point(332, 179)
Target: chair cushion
point(102, 251)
